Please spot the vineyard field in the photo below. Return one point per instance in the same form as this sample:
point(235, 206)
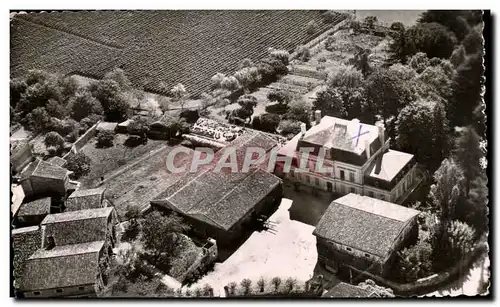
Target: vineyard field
point(155, 46)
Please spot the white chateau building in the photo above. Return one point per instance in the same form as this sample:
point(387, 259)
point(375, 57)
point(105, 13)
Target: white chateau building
point(359, 155)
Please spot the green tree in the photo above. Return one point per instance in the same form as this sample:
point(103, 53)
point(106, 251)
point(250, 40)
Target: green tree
point(53, 139)
point(79, 164)
point(179, 92)
point(248, 77)
point(303, 53)
point(247, 102)
point(345, 75)
point(457, 21)
point(387, 94)
point(312, 27)
point(276, 281)
point(419, 62)
point(461, 240)
point(261, 283)
point(246, 284)
point(105, 138)
point(446, 190)
point(422, 128)
point(160, 235)
point(414, 262)
point(290, 284)
point(55, 109)
point(38, 120)
point(216, 80)
point(17, 88)
point(466, 95)
point(83, 104)
point(473, 42)
point(371, 21)
point(281, 96)
point(120, 77)
point(281, 55)
point(230, 83)
point(246, 62)
point(468, 153)
point(266, 122)
point(458, 56)
point(330, 103)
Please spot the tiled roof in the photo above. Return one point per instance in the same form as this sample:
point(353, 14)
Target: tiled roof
point(63, 266)
point(57, 161)
point(345, 290)
point(223, 198)
point(77, 215)
point(36, 207)
point(364, 223)
point(337, 133)
point(391, 163)
point(85, 199)
point(77, 226)
point(44, 169)
point(25, 241)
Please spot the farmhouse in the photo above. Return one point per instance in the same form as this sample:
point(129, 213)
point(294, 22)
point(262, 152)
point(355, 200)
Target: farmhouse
point(76, 227)
point(221, 204)
point(33, 212)
point(41, 178)
point(358, 155)
point(68, 270)
point(364, 233)
point(86, 199)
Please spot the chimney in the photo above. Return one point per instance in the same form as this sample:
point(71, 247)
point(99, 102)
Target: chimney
point(303, 128)
point(317, 116)
point(381, 132)
point(367, 146)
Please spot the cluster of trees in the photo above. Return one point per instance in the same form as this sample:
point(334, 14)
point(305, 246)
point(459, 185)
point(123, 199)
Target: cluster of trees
point(276, 285)
point(457, 211)
point(44, 102)
point(251, 75)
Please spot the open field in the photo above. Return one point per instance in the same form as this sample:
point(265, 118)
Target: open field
point(155, 46)
point(106, 160)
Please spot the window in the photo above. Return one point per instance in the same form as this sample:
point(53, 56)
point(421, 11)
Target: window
point(382, 197)
point(353, 190)
point(342, 175)
point(308, 179)
point(370, 193)
point(317, 181)
point(351, 176)
point(367, 255)
point(59, 290)
point(81, 288)
point(349, 249)
point(36, 293)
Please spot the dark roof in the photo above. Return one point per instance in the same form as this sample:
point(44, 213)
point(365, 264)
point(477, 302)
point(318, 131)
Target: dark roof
point(345, 290)
point(44, 169)
point(75, 227)
point(223, 198)
point(57, 161)
point(364, 223)
point(85, 199)
point(37, 207)
point(62, 266)
point(25, 241)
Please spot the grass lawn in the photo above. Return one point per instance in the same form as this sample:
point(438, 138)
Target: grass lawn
point(105, 160)
point(288, 251)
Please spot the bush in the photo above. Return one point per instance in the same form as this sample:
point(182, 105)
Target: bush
point(79, 164)
point(208, 290)
point(329, 16)
point(371, 21)
point(197, 292)
point(105, 138)
point(131, 232)
point(266, 122)
point(246, 284)
point(303, 53)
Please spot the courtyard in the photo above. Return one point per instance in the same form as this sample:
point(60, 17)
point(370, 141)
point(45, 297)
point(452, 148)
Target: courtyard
point(287, 249)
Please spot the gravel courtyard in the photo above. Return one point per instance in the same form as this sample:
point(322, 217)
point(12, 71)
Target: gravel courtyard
point(288, 251)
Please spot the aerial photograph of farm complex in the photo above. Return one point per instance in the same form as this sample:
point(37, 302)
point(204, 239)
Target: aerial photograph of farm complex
point(248, 154)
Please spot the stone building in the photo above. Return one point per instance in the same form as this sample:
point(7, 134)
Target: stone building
point(363, 233)
point(358, 156)
point(83, 199)
point(33, 212)
point(41, 178)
